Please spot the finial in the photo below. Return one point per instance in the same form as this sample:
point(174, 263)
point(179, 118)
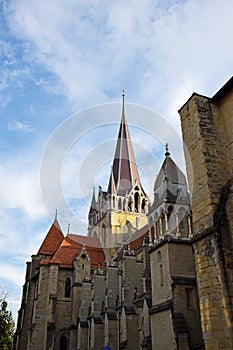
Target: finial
point(68, 229)
point(167, 153)
point(123, 97)
point(123, 105)
point(56, 214)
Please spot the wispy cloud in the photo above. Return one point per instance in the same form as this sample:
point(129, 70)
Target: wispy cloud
point(17, 125)
point(141, 45)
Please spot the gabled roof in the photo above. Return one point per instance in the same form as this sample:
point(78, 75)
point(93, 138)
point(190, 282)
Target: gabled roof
point(88, 241)
point(52, 240)
point(124, 174)
point(71, 247)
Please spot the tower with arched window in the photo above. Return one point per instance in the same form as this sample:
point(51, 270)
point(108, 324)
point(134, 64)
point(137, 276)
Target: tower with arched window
point(118, 212)
point(174, 294)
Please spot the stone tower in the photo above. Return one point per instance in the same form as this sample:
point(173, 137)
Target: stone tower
point(120, 210)
point(207, 125)
point(174, 313)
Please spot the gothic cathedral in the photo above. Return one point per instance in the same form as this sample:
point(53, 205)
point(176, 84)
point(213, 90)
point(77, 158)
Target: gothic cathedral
point(148, 276)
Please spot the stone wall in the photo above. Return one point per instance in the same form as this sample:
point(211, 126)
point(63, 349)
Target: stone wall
point(207, 133)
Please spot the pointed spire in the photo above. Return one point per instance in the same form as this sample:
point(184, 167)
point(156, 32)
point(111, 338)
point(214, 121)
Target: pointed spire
point(111, 184)
point(93, 202)
point(169, 171)
point(124, 172)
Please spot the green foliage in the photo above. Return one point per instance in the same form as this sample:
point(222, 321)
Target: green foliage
point(7, 326)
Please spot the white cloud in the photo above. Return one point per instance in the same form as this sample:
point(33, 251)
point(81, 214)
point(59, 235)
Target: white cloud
point(93, 48)
point(17, 125)
point(19, 184)
point(12, 273)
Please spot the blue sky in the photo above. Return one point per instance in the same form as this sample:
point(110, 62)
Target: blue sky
point(63, 68)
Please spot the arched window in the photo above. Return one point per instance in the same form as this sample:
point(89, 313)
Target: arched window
point(182, 217)
point(130, 204)
point(159, 257)
point(63, 343)
point(119, 204)
point(170, 218)
point(136, 201)
point(67, 287)
point(162, 217)
point(104, 234)
point(161, 274)
point(152, 232)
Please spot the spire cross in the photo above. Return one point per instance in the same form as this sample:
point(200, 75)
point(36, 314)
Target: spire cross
point(167, 154)
point(123, 106)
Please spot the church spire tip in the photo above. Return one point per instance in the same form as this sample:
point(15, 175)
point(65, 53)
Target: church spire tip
point(123, 105)
point(167, 153)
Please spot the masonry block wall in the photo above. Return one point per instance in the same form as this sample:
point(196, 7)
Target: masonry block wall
point(208, 142)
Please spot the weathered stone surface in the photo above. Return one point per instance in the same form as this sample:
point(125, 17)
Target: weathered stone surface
point(208, 140)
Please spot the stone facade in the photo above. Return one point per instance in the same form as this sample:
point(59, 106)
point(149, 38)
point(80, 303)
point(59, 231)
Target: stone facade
point(91, 292)
point(207, 133)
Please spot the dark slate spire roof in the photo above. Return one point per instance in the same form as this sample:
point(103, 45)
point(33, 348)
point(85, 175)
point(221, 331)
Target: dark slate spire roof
point(124, 172)
point(112, 185)
point(169, 172)
point(93, 202)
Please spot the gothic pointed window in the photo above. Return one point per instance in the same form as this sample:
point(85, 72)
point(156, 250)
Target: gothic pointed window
point(182, 220)
point(143, 205)
point(63, 343)
point(104, 234)
point(170, 219)
point(67, 287)
point(130, 204)
point(161, 274)
point(119, 204)
point(136, 201)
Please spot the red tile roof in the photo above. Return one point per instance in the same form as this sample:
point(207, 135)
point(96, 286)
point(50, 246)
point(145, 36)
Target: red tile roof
point(71, 247)
point(88, 241)
point(136, 240)
point(52, 240)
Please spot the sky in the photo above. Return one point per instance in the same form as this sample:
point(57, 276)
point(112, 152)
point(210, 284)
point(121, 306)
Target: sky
point(63, 66)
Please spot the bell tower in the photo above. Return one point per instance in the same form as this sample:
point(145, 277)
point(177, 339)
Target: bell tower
point(118, 212)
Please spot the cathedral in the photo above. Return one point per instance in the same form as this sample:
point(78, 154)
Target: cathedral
point(148, 275)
